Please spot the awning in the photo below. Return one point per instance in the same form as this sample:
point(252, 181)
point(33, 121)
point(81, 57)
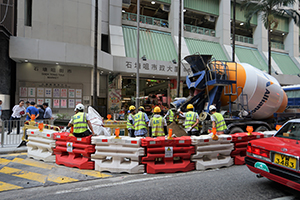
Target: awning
point(205, 47)
point(251, 56)
point(285, 63)
point(155, 45)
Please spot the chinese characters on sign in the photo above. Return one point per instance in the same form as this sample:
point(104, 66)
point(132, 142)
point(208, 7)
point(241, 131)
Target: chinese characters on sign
point(152, 67)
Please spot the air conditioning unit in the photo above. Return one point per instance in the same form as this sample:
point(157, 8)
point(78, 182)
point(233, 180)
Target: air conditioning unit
point(165, 8)
point(126, 3)
point(210, 18)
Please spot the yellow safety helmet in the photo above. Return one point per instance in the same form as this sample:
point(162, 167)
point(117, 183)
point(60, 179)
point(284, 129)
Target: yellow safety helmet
point(190, 106)
point(157, 109)
point(131, 107)
point(141, 108)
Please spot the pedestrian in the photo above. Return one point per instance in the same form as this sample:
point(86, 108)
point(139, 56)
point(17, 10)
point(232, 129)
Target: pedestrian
point(32, 110)
point(47, 113)
point(170, 116)
point(141, 121)
point(81, 122)
point(217, 120)
point(41, 110)
point(157, 124)
point(0, 110)
point(130, 121)
point(27, 104)
point(191, 120)
point(18, 111)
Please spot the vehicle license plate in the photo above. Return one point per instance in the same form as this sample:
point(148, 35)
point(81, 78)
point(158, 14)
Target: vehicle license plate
point(286, 161)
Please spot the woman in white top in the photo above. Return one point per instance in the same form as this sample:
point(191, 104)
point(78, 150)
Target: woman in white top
point(18, 111)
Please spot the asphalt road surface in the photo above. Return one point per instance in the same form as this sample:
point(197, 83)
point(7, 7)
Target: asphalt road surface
point(235, 182)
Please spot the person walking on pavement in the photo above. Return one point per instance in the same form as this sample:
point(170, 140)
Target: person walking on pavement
point(48, 113)
point(191, 120)
point(170, 116)
point(217, 120)
point(41, 110)
point(130, 121)
point(157, 124)
point(141, 121)
point(81, 122)
point(32, 110)
point(27, 104)
point(18, 111)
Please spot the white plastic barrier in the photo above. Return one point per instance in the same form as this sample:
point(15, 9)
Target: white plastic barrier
point(268, 133)
point(212, 153)
point(118, 155)
point(40, 145)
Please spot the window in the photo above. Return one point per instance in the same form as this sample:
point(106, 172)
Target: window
point(28, 12)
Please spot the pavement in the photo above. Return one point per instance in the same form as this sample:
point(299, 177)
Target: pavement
point(8, 150)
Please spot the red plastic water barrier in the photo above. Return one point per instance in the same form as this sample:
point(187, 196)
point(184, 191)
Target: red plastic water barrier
point(240, 141)
point(168, 156)
point(74, 152)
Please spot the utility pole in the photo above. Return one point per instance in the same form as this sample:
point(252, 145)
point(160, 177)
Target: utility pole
point(179, 49)
point(137, 100)
point(95, 97)
point(233, 32)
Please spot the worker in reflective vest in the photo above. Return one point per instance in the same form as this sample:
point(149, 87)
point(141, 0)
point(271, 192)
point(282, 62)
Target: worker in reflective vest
point(130, 121)
point(141, 121)
point(157, 125)
point(170, 116)
point(217, 119)
point(81, 122)
point(191, 121)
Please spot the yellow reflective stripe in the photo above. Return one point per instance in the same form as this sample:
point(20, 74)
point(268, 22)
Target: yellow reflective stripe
point(7, 186)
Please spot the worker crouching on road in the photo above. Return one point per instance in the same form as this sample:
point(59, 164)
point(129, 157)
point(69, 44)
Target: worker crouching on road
point(217, 120)
point(170, 116)
point(141, 121)
point(191, 120)
point(80, 121)
point(130, 121)
point(157, 125)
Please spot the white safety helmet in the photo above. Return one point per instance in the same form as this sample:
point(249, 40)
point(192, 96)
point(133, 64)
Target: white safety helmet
point(79, 107)
point(212, 107)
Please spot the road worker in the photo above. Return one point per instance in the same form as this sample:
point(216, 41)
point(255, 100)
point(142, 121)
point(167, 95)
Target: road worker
point(191, 121)
point(217, 120)
point(170, 116)
point(130, 121)
point(157, 125)
point(141, 121)
point(81, 122)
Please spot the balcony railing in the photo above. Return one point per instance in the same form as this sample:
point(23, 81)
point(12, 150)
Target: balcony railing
point(145, 19)
point(277, 45)
point(243, 39)
point(199, 30)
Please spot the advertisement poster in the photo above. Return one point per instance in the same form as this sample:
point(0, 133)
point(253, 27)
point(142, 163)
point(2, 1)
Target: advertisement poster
point(71, 103)
point(48, 92)
point(31, 99)
point(40, 92)
point(71, 93)
point(31, 92)
point(56, 93)
point(40, 101)
point(64, 93)
point(55, 103)
point(78, 101)
point(114, 100)
point(23, 92)
point(78, 93)
point(49, 102)
point(63, 103)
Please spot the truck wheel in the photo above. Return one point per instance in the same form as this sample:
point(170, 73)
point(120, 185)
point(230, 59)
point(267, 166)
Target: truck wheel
point(236, 130)
point(261, 129)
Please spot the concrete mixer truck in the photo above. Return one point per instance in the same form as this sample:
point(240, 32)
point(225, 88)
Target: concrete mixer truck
point(244, 95)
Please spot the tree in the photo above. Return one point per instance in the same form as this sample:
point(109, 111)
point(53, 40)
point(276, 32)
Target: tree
point(268, 10)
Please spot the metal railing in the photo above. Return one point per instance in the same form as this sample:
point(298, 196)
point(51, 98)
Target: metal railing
point(243, 39)
point(277, 45)
point(199, 30)
point(145, 19)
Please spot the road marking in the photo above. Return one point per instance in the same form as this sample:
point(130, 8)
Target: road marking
point(4, 161)
point(33, 163)
point(92, 173)
point(7, 186)
point(13, 154)
point(61, 179)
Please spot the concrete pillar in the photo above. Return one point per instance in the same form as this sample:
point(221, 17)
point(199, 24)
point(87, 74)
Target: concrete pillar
point(260, 35)
point(223, 29)
point(291, 41)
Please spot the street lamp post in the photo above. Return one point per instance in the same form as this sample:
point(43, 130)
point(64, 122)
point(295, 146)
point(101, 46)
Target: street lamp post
point(95, 56)
point(179, 49)
point(138, 57)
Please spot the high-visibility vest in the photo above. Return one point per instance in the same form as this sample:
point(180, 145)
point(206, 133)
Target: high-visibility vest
point(220, 122)
point(129, 125)
point(171, 116)
point(140, 121)
point(80, 123)
point(157, 126)
point(190, 120)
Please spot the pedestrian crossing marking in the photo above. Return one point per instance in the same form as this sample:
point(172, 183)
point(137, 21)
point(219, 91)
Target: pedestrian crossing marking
point(60, 179)
point(7, 186)
point(24, 174)
point(4, 161)
point(92, 173)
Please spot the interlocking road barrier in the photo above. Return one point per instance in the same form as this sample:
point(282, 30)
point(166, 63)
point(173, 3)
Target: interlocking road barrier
point(73, 152)
point(40, 145)
point(117, 155)
point(113, 125)
point(240, 141)
point(212, 153)
point(168, 156)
